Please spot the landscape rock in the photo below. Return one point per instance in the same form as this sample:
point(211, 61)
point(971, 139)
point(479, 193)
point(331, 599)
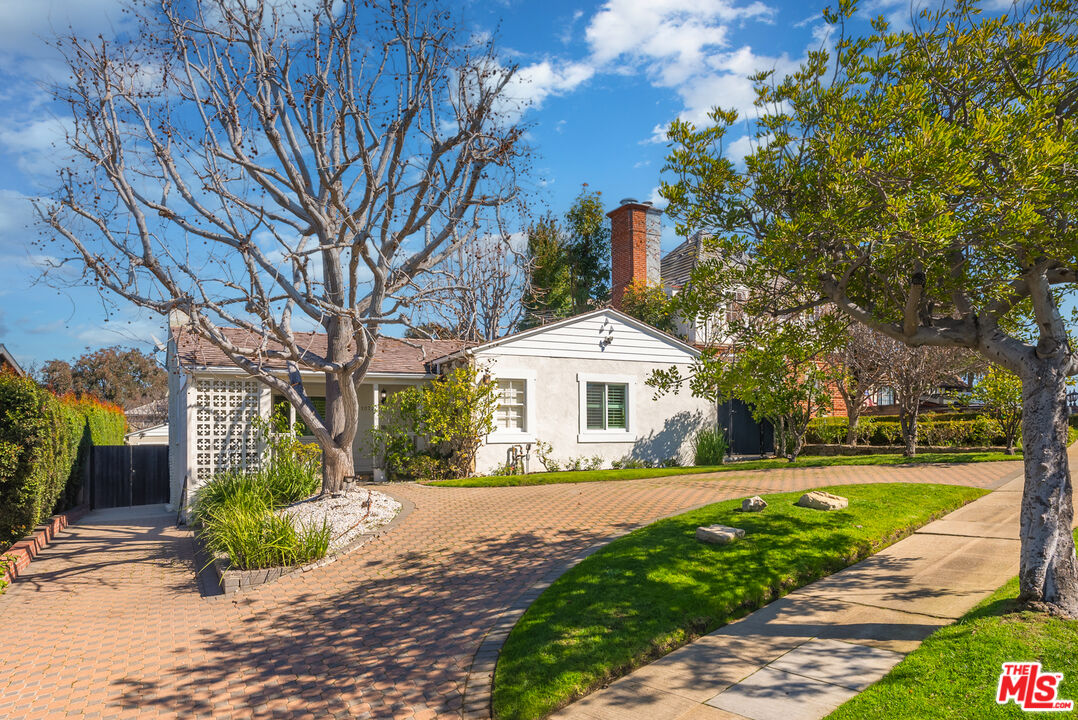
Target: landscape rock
point(719, 534)
point(820, 500)
point(753, 504)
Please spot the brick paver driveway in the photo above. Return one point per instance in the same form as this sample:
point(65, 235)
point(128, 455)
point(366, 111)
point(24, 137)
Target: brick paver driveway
point(108, 622)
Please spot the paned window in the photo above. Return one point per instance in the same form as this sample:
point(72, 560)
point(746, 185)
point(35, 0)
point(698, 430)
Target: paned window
point(510, 414)
point(606, 406)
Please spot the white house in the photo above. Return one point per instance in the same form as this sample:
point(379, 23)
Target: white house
point(580, 385)
point(577, 384)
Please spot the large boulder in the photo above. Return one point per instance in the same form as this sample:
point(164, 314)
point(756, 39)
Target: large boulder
point(820, 500)
point(753, 504)
point(719, 534)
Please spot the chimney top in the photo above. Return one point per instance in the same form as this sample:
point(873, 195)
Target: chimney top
point(628, 201)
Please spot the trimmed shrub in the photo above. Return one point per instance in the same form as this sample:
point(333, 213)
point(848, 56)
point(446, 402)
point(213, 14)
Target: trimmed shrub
point(935, 430)
point(709, 447)
point(44, 440)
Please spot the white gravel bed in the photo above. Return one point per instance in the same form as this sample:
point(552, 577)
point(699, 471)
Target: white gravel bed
point(351, 514)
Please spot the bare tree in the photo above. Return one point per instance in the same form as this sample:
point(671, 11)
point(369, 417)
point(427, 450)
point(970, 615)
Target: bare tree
point(913, 372)
point(277, 167)
point(860, 366)
point(482, 297)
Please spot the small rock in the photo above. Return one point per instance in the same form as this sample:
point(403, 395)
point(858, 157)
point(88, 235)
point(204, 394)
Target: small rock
point(719, 534)
point(753, 504)
point(820, 500)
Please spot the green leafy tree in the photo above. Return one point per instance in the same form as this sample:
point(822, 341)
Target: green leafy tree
point(776, 370)
point(451, 416)
point(1000, 393)
point(650, 303)
point(549, 293)
point(588, 251)
point(924, 183)
point(124, 376)
point(568, 264)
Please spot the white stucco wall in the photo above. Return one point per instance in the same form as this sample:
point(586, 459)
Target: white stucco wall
point(658, 429)
point(557, 362)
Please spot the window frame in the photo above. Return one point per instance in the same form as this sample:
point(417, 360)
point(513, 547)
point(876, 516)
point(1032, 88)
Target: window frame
point(513, 437)
point(587, 435)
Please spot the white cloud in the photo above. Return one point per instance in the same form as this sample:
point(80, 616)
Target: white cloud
point(656, 199)
point(535, 83)
point(684, 45)
point(738, 149)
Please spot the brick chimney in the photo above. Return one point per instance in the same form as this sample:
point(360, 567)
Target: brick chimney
point(635, 234)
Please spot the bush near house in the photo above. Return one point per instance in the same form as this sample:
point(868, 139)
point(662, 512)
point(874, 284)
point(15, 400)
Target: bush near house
point(43, 442)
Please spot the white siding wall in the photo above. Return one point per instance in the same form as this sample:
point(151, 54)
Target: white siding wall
point(557, 364)
point(584, 340)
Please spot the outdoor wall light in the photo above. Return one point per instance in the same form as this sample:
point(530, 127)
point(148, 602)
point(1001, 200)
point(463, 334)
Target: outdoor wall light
point(382, 396)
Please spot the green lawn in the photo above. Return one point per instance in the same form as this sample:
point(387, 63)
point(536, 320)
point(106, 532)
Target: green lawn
point(657, 588)
point(955, 672)
point(578, 476)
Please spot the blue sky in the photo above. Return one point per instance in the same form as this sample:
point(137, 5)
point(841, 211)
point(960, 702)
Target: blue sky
point(603, 78)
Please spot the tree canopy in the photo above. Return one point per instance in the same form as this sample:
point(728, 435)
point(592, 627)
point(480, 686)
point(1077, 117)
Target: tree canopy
point(922, 182)
point(568, 263)
point(124, 376)
point(281, 168)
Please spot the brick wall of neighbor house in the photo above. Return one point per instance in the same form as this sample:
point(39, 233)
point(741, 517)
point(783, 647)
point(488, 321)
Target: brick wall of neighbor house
point(635, 236)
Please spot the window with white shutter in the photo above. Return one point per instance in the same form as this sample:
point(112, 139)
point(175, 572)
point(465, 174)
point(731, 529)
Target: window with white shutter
point(606, 405)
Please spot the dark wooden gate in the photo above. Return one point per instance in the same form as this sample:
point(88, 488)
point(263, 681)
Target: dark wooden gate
point(746, 436)
point(123, 475)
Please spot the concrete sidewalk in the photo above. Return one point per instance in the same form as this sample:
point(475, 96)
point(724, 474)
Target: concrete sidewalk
point(802, 656)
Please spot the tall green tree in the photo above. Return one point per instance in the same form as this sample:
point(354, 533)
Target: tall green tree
point(568, 263)
point(548, 294)
point(924, 183)
point(588, 251)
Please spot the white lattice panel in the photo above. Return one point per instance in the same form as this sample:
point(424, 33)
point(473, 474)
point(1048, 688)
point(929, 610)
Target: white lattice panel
point(224, 433)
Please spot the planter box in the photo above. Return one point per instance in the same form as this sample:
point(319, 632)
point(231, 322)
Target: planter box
point(232, 580)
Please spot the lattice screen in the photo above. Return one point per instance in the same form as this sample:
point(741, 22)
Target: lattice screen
point(225, 436)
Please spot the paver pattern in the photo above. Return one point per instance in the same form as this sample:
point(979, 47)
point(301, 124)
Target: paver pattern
point(108, 622)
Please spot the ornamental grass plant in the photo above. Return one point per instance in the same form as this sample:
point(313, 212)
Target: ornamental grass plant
point(238, 514)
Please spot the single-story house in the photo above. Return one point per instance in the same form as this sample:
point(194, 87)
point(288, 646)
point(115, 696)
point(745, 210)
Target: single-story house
point(153, 435)
point(577, 384)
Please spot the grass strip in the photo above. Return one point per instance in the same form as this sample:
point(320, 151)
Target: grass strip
point(657, 588)
point(955, 672)
point(579, 476)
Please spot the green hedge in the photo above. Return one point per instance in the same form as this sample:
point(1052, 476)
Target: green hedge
point(935, 430)
point(43, 442)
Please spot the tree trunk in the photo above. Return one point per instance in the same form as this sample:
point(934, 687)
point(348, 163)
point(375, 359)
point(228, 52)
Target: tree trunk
point(908, 423)
point(337, 466)
point(342, 409)
point(853, 418)
point(853, 415)
point(797, 441)
point(1049, 572)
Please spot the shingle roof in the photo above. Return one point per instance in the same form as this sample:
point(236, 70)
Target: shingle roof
point(677, 265)
point(391, 356)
